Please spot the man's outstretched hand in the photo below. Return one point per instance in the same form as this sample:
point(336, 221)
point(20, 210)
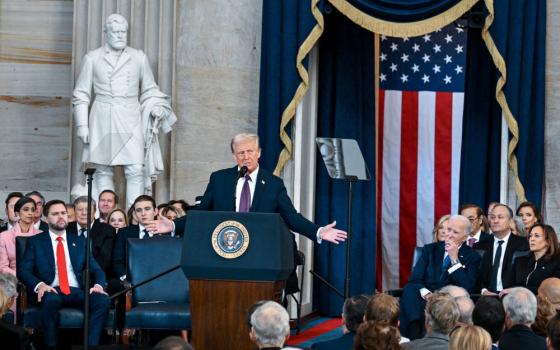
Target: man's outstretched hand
point(331, 234)
point(162, 225)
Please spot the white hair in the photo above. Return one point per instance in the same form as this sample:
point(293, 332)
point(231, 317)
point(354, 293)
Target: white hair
point(454, 291)
point(520, 305)
point(270, 324)
point(8, 283)
point(114, 18)
point(242, 138)
point(465, 220)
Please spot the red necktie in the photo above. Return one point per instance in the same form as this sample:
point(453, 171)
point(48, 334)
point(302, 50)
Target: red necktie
point(61, 267)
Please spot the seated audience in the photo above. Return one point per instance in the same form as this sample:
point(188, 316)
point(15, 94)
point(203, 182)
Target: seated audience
point(454, 291)
point(376, 335)
point(58, 278)
point(440, 229)
point(553, 333)
point(108, 200)
point(441, 317)
point(476, 216)
point(145, 209)
point(11, 337)
point(102, 239)
point(517, 227)
point(469, 337)
point(440, 264)
point(170, 212)
point(173, 343)
point(489, 314)
point(529, 215)
point(386, 308)
point(466, 307)
point(520, 306)
point(352, 316)
point(39, 202)
point(71, 212)
point(181, 205)
point(270, 325)
point(542, 262)
point(131, 216)
point(8, 283)
point(25, 212)
point(11, 200)
point(496, 271)
point(117, 218)
point(548, 304)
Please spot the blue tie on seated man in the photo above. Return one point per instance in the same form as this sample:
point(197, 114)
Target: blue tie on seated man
point(442, 263)
point(53, 267)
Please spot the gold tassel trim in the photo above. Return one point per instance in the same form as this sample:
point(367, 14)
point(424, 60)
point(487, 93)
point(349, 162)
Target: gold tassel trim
point(289, 112)
point(397, 29)
point(502, 100)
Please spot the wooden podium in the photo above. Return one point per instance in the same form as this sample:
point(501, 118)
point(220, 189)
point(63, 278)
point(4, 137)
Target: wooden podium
point(233, 260)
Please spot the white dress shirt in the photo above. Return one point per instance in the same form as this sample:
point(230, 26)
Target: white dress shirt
point(142, 233)
point(72, 281)
point(499, 285)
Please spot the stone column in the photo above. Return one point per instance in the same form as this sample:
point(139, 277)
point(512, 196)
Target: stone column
point(552, 116)
point(216, 89)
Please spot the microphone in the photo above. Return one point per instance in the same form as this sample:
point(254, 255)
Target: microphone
point(241, 173)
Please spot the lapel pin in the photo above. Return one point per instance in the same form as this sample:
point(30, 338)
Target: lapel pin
point(262, 181)
point(73, 244)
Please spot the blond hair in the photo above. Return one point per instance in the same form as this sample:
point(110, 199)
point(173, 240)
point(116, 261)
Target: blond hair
point(470, 337)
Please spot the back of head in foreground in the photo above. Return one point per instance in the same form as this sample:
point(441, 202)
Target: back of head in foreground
point(270, 325)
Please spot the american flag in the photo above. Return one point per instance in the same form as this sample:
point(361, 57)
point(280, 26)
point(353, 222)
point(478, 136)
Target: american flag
point(421, 93)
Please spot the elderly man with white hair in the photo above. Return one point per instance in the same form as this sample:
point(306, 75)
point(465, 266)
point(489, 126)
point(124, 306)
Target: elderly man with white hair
point(520, 305)
point(442, 263)
point(270, 326)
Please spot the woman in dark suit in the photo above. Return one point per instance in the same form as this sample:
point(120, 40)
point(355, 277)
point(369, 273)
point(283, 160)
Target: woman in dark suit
point(543, 260)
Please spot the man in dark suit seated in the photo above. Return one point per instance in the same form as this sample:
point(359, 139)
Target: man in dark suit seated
point(496, 272)
point(353, 312)
point(102, 239)
point(442, 315)
point(53, 267)
point(145, 209)
point(476, 216)
point(520, 305)
point(440, 264)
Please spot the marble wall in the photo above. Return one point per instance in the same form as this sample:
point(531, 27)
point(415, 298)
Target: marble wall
point(552, 113)
point(35, 71)
point(216, 87)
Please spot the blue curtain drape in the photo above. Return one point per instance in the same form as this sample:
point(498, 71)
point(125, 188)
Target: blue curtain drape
point(482, 122)
point(346, 109)
point(403, 10)
point(285, 25)
point(519, 31)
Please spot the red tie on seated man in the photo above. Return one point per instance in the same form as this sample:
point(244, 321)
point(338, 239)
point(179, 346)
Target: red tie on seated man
point(53, 267)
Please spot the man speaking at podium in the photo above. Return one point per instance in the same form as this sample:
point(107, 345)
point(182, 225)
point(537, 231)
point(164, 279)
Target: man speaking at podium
point(248, 188)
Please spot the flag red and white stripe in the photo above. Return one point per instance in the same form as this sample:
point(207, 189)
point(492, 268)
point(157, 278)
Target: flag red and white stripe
point(418, 161)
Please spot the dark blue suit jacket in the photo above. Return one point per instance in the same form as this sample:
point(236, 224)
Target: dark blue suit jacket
point(38, 263)
point(428, 273)
point(270, 197)
point(119, 251)
point(346, 342)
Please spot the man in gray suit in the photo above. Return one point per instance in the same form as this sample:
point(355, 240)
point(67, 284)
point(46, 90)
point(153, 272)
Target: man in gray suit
point(442, 314)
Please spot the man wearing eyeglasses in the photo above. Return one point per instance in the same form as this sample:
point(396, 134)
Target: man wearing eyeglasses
point(476, 216)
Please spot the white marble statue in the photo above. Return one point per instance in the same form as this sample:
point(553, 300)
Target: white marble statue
point(127, 112)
